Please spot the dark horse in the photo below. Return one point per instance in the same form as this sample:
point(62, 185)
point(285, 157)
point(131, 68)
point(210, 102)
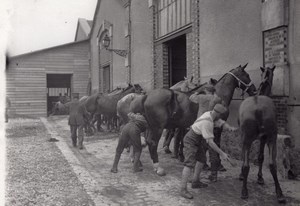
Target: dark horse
point(169, 109)
point(107, 104)
point(257, 118)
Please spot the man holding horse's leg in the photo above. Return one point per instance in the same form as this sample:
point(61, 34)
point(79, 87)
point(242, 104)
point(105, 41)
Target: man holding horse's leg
point(131, 132)
point(199, 137)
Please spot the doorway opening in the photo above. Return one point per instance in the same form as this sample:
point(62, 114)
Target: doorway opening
point(176, 59)
point(58, 89)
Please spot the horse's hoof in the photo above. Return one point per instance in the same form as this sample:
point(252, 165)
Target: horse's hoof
point(174, 156)
point(139, 169)
point(281, 199)
point(244, 194)
point(161, 172)
point(244, 197)
point(167, 150)
point(241, 177)
point(181, 158)
point(260, 181)
point(113, 170)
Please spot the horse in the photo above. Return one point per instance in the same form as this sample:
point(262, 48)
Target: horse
point(60, 109)
point(107, 105)
point(123, 107)
point(165, 108)
point(90, 104)
point(178, 133)
point(257, 119)
point(184, 86)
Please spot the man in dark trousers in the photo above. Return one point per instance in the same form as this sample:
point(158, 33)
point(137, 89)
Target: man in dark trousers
point(77, 116)
point(131, 132)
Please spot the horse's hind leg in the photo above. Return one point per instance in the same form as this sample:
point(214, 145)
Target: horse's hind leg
point(245, 167)
point(273, 169)
point(260, 179)
point(151, 134)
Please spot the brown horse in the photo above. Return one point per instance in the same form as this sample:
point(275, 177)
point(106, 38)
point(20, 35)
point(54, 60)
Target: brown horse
point(90, 104)
point(123, 107)
point(188, 87)
point(257, 118)
point(165, 108)
point(107, 104)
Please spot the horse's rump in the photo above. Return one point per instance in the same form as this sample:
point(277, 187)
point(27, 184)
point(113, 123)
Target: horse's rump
point(258, 112)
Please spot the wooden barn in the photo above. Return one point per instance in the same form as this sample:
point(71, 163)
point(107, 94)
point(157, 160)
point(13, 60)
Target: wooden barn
point(35, 80)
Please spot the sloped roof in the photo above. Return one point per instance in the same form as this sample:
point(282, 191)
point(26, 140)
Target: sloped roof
point(85, 26)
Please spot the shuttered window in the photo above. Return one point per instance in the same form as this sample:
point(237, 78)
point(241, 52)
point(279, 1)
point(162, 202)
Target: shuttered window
point(172, 15)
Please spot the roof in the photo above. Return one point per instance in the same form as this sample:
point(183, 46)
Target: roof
point(41, 50)
point(85, 26)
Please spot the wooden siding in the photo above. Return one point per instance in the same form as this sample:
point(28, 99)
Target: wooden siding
point(27, 91)
point(172, 15)
point(22, 74)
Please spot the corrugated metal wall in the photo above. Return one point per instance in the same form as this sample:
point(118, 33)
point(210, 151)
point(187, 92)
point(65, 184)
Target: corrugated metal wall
point(29, 71)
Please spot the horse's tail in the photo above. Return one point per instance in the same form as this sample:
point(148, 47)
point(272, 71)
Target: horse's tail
point(259, 118)
point(174, 105)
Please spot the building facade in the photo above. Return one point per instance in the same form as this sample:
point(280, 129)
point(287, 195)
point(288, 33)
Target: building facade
point(167, 40)
point(126, 24)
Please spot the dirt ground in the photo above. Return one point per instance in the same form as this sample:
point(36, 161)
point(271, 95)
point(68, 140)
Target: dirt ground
point(42, 172)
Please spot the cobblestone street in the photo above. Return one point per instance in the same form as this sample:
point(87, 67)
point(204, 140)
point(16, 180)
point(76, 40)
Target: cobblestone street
point(92, 166)
point(92, 179)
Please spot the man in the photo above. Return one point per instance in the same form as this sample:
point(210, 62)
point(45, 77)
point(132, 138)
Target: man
point(199, 137)
point(131, 132)
point(206, 103)
point(77, 117)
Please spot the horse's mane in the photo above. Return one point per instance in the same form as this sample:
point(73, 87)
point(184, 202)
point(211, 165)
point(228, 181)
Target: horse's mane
point(177, 84)
point(195, 89)
point(127, 88)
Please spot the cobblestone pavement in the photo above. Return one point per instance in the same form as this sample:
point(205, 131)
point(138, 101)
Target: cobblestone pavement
point(92, 166)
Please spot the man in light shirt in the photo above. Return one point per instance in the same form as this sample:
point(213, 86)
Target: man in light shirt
point(199, 137)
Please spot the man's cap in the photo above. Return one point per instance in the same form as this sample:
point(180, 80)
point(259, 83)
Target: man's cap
point(210, 88)
point(219, 108)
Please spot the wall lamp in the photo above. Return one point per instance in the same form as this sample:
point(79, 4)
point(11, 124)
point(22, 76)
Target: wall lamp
point(106, 43)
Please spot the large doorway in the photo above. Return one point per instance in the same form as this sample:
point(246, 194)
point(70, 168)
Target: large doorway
point(176, 59)
point(58, 87)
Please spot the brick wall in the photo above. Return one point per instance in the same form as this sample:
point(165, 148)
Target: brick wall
point(281, 113)
point(195, 39)
point(158, 68)
point(189, 54)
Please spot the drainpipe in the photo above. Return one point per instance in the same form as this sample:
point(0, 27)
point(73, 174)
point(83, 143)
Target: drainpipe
point(129, 41)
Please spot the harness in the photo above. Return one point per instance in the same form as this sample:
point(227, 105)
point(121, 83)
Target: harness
point(247, 86)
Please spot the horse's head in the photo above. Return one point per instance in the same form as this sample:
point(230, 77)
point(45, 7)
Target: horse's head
point(185, 85)
point(266, 80)
point(267, 74)
point(243, 79)
point(189, 84)
point(138, 89)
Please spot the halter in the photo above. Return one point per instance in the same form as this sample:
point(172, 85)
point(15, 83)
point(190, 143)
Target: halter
point(265, 81)
point(241, 82)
